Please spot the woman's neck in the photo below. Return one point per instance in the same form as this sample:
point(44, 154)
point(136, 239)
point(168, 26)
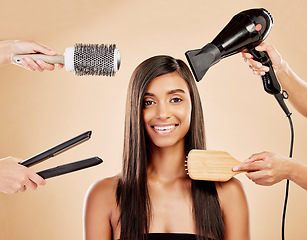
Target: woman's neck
point(167, 164)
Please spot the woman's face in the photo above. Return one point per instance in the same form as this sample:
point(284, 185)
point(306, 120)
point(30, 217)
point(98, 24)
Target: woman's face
point(167, 110)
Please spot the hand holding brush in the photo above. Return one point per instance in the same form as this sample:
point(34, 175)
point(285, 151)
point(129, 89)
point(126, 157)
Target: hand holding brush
point(10, 48)
point(83, 59)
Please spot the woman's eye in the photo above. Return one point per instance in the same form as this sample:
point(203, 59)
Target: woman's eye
point(148, 102)
point(176, 100)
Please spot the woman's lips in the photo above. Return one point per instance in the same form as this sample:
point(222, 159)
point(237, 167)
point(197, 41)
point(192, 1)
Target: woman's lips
point(164, 129)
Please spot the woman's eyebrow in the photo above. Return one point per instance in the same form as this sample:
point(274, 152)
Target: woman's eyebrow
point(176, 91)
point(149, 94)
point(169, 92)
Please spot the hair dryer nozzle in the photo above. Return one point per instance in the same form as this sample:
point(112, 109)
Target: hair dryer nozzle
point(201, 60)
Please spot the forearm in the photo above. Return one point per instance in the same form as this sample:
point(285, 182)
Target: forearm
point(5, 52)
point(298, 173)
point(295, 86)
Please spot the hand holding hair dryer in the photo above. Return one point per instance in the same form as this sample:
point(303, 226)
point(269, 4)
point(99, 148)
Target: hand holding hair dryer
point(247, 29)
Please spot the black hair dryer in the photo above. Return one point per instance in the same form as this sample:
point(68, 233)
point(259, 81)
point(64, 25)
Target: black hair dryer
point(245, 30)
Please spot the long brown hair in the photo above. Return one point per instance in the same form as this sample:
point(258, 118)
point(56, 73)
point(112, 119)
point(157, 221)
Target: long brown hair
point(132, 191)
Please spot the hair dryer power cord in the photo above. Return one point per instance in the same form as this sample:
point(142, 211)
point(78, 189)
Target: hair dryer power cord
point(280, 98)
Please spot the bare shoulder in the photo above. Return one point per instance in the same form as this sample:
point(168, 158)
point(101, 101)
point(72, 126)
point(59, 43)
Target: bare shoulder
point(230, 191)
point(104, 189)
point(101, 210)
point(234, 207)
point(233, 186)
point(101, 196)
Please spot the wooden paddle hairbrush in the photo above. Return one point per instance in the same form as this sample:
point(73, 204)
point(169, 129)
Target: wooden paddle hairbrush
point(211, 165)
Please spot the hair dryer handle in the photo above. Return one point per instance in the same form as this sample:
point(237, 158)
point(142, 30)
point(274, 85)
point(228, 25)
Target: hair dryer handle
point(269, 80)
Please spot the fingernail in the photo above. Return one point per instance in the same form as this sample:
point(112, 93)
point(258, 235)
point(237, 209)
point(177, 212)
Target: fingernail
point(250, 56)
point(259, 65)
point(52, 52)
point(235, 169)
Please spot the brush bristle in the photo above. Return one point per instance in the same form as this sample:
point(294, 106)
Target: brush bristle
point(94, 59)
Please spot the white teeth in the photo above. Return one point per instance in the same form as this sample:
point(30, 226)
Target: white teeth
point(164, 128)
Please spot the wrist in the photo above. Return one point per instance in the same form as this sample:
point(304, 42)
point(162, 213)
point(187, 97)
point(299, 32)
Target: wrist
point(292, 172)
point(6, 52)
point(283, 68)
point(289, 170)
point(283, 73)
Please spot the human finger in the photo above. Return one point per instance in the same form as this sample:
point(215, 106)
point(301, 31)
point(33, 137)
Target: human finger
point(31, 64)
point(249, 166)
point(60, 66)
point(261, 178)
point(14, 159)
point(255, 65)
point(35, 178)
point(22, 189)
point(45, 66)
point(246, 55)
point(264, 47)
point(31, 185)
point(274, 55)
point(257, 71)
point(32, 180)
point(38, 47)
point(258, 156)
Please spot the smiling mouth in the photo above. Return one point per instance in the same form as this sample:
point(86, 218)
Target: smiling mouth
point(166, 128)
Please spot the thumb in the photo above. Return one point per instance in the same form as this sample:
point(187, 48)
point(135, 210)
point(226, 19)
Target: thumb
point(37, 179)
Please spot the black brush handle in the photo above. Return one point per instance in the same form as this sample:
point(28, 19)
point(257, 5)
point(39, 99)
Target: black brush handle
point(56, 150)
point(71, 167)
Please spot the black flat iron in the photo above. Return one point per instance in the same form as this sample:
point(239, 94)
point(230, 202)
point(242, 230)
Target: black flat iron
point(66, 168)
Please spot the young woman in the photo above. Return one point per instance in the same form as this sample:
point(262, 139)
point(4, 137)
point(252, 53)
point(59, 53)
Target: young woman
point(153, 198)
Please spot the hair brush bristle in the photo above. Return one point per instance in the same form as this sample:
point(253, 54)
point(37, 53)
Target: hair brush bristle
point(94, 59)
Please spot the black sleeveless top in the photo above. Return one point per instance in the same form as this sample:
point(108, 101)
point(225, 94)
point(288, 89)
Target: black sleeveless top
point(171, 236)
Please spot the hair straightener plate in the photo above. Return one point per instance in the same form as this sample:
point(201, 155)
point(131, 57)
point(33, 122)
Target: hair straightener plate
point(66, 168)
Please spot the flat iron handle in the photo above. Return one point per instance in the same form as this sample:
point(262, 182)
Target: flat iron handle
point(71, 167)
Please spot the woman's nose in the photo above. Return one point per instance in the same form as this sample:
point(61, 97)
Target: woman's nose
point(163, 111)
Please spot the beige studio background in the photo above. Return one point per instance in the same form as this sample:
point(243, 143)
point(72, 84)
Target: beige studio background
point(40, 110)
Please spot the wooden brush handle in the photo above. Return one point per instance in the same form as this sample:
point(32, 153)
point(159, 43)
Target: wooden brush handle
point(46, 58)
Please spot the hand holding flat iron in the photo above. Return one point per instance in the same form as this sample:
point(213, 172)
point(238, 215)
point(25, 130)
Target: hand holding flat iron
point(17, 178)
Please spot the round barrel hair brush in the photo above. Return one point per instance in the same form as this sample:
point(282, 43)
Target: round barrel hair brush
point(83, 59)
